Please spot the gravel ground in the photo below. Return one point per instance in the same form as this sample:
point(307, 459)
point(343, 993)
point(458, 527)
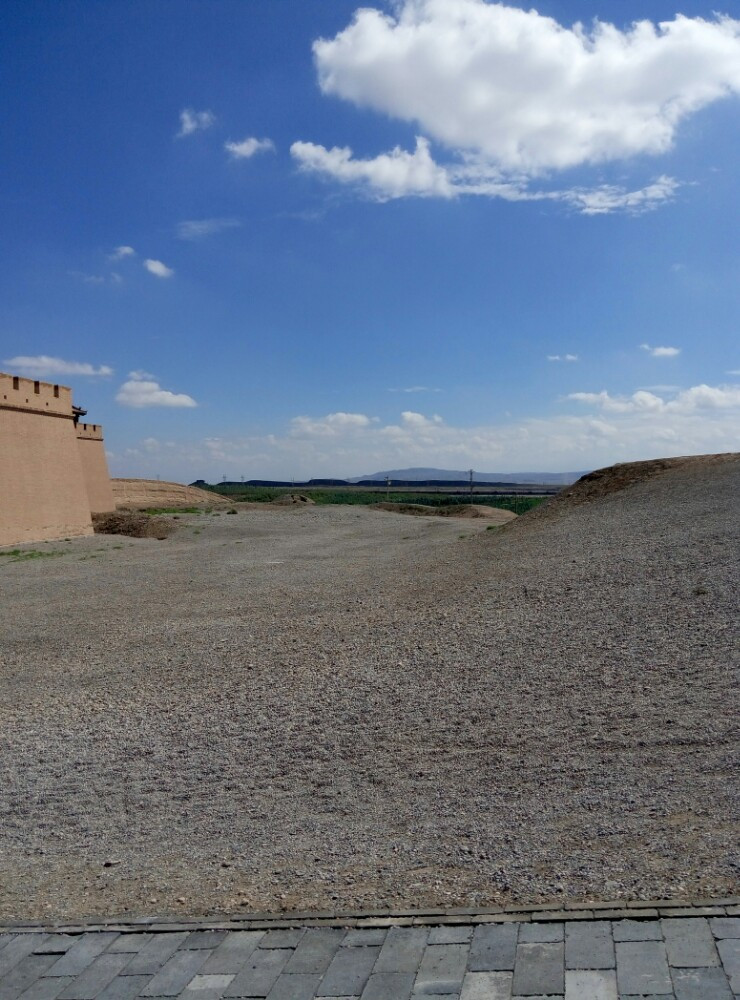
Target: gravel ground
point(336, 708)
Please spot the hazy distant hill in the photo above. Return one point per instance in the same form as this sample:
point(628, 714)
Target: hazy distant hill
point(556, 478)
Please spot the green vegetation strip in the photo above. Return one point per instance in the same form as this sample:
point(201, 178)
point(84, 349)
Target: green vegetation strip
point(266, 494)
point(22, 555)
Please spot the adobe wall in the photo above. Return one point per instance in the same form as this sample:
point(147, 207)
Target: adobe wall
point(95, 468)
point(42, 486)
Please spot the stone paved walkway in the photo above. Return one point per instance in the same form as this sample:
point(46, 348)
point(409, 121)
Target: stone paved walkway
point(686, 958)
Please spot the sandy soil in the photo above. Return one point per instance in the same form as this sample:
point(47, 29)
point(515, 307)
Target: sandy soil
point(136, 493)
point(333, 708)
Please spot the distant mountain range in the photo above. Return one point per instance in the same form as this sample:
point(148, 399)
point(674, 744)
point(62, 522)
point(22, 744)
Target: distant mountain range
point(411, 475)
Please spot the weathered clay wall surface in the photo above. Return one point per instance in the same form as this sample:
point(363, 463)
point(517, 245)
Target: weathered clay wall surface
point(95, 468)
point(42, 488)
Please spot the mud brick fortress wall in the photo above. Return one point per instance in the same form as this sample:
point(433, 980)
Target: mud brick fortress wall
point(53, 472)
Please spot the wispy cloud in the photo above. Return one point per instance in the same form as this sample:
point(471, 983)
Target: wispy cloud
point(194, 121)
point(415, 388)
point(142, 390)
point(120, 252)
point(158, 269)
point(562, 357)
point(43, 366)
point(399, 174)
point(88, 279)
point(197, 229)
point(734, 371)
point(661, 352)
point(248, 147)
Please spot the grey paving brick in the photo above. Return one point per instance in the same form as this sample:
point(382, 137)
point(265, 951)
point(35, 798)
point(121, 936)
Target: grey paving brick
point(259, 974)
point(302, 986)
point(389, 986)
point(536, 933)
point(487, 986)
point(642, 968)
point(539, 970)
point(203, 939)
point(725, 927)
point(96, 977)
point(649, 996)
point(16, 950)
point(701, 984)
point(637, 930)
point(402, 949)
point(349, 972)
point(451, 934)
point(289, 938)
point(208, 982)
point(689, 943)
point(54, 944)
point(124, 988)
point(729, 951)
point(493, 948)
point(130, 942)
point(46, 989)
point(150, 959)
point(442, 969)
point(24, 974)
point(363, 936)
point(316, 950)
point(175, 974)
point(589, 945)
point(560, 996)
point(83, 952)
point(591, 984)
point(233, 953)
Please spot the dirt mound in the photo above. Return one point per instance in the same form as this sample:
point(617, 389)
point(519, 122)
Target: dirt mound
point(293, 498)
point(614, 478)
point(123, 522)
point(469, 510)
point(138, 493)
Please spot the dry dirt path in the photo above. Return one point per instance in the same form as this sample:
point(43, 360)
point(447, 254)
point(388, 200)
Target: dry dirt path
point(337, 708)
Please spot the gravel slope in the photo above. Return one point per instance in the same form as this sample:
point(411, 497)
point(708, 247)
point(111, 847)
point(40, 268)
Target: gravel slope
point(332, 707)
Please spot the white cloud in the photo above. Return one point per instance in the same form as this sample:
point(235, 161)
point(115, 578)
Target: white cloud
point(42, 366)
point(194, 121)
point(142, 390)
point(329, 426)
point(611, 198)
point(734, 371)
point(89, 279)
point(196, 229)
point(699, 397)
point(661, 352)
point(399, 174)
point(248, 147)
point(524, 91)
point(612, 429)
point(120, 252)
point(513, 95)
point(158, 269)
point(415, 388)
point(390, 175)
point(562, 357)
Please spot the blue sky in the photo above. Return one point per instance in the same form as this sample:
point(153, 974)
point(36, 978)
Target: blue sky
point(286, 239)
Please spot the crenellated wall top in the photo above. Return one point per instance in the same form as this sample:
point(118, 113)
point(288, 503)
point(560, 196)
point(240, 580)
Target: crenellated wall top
point(17, 393)
point(89, 432)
